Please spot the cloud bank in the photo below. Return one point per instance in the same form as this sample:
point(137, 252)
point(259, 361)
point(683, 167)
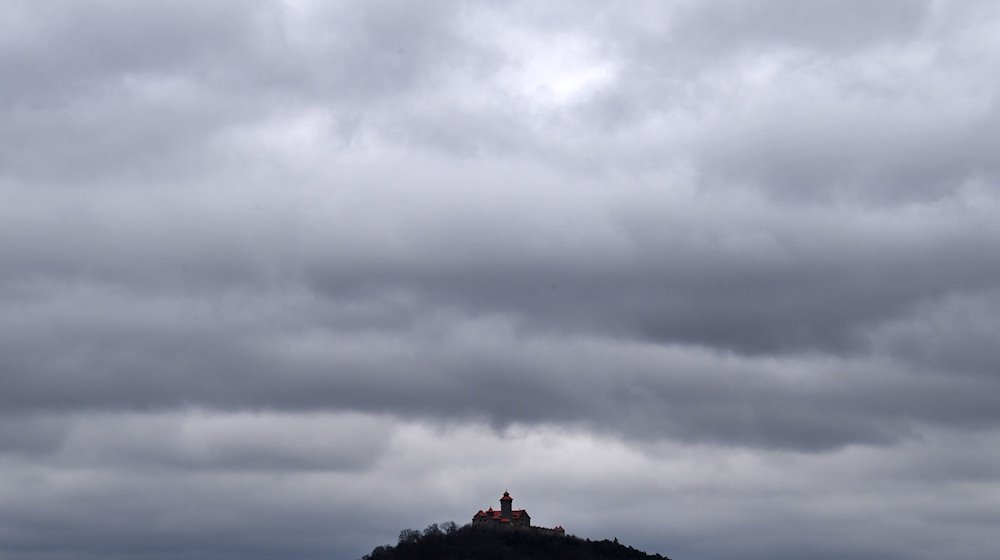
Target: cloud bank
point(281, 279)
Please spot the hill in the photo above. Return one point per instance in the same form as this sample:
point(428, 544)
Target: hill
point(449, 542)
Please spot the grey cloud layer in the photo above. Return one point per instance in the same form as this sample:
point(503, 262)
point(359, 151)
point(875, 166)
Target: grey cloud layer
point(761, 226)
point(184, 288)
point(326, 316)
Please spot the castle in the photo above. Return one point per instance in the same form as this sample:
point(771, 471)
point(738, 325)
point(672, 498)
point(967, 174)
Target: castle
point(507, 517)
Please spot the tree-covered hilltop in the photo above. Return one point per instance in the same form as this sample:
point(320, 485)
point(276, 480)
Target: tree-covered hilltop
point(450, 542)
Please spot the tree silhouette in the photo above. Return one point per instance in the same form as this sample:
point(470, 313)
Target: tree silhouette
point(448, 541)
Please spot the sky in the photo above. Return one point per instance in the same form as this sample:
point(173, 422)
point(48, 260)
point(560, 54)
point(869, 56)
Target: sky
point(716, 278)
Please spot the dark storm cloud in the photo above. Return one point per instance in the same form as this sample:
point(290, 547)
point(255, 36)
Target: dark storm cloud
point(241, 240)
point(148, 100)
point(879, 102)
point(175, 303)
point(953, 334)
point(417, 361)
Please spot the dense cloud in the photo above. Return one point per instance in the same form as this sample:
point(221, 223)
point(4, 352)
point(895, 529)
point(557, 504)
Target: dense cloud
point(279, 264)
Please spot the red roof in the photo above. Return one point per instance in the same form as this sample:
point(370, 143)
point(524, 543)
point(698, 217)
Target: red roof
point(495, 514)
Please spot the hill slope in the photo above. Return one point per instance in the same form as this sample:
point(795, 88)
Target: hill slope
point(477, 543)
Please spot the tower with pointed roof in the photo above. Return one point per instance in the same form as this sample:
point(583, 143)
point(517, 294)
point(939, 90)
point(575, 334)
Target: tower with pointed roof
point(506, 516)
point(509, 518)
point(506, 506)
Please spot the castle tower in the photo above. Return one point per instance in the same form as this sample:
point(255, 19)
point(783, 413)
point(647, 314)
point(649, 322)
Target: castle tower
point(506, 506)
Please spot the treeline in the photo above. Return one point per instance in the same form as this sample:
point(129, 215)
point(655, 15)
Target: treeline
point(448, 541)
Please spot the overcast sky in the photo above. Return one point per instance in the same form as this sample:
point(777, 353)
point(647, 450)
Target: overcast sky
point(280, 279)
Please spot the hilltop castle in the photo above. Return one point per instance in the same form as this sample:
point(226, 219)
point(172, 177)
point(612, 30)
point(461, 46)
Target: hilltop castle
point(508, 517)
